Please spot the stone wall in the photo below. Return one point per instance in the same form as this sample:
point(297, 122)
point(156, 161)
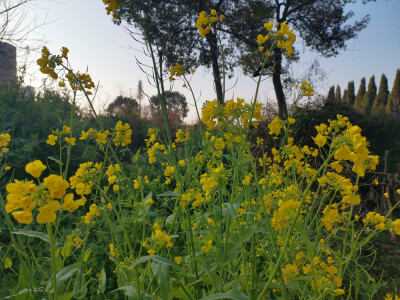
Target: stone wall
point(8, 63)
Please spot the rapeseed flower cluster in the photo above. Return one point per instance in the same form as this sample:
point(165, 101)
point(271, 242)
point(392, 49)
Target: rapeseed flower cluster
point(323, 275)
point(283, 36)
point(24, 196)
point(93, 212)
point(5, 139)
point(49, 63)
point(231, 113)
point(85, 177)
point(111, 7)
point(176, 71)
point(153, 146)
point(306, 89)
point(123, 134)
point(120, 135)
point(56, 135)
point(205, 21)
point(158, 240)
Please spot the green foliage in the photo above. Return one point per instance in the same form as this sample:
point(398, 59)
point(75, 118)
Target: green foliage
point(124, 107)
point(349, 97)
point(175, 103)
point(381, 98)
point(338, 94)
point(369, 96)
point(380, 130)
point(393, 104)
point(331, 94)
point(30, 121)
point(360, 95)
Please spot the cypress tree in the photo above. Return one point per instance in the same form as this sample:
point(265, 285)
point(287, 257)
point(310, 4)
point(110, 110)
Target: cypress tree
point(369, 96)
point(331, 94)
point(393, 104)
point(350, 94)
point(338, 94)
point(381, 98)
point(360, 95)
point(344, 98)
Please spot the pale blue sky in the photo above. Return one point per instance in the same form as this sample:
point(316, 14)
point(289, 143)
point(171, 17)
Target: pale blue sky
point(109, 52)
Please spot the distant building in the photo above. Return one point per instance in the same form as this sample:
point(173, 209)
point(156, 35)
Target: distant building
point(8, 63)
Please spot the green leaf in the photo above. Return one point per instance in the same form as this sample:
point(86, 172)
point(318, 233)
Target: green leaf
point(56, 160)
point(125, 277)
point(136, 158)
point(66, 249)
point(155, 258)
point(36, 234)
point(66, 296)
point(80, 286)
point(30, 292)
point(87, 254)
point(64, 275)
point(102, 282)
point(232, 294)
point(168, 194)
point(129, 290)
point(161, 273)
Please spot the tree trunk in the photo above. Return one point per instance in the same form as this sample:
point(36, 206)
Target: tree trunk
point(213, 43)
point(276, 79)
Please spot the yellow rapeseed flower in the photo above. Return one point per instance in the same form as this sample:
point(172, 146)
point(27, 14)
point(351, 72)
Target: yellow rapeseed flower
point(56, 185)
point(35, 168)
point(178, 259)
point(52, 139)
point(47, 213)
point(71, 141)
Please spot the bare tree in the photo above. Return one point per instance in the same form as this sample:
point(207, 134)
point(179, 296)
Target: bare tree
point(12, 14)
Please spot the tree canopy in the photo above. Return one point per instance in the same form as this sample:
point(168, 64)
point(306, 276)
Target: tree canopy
point(381, 98)
point(393, 105)
point(175, 103)
point(324, 26)
point(124, 106)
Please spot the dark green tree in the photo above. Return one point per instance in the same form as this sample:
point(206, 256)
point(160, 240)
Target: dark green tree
point(344, 95)
point(360, 95)
point(169, 24)
point(393, 105)
point(338, 94)
point(381, 98)
point(350, 94)
point(176, 105)
point(322, 25)
point(331, 94)
point(124, 107)
point(369, 96)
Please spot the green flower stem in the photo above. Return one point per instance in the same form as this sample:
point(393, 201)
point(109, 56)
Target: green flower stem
point(268, 223)
point(257, 89)
point(53, 259)
point(191, 242)
point(195, 104)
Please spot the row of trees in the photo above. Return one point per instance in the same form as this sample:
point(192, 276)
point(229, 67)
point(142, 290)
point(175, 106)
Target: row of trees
point(169, 26)
point(132, 109)
point(370, 100)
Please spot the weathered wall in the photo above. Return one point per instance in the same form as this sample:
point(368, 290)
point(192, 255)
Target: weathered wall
point(8, 63)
